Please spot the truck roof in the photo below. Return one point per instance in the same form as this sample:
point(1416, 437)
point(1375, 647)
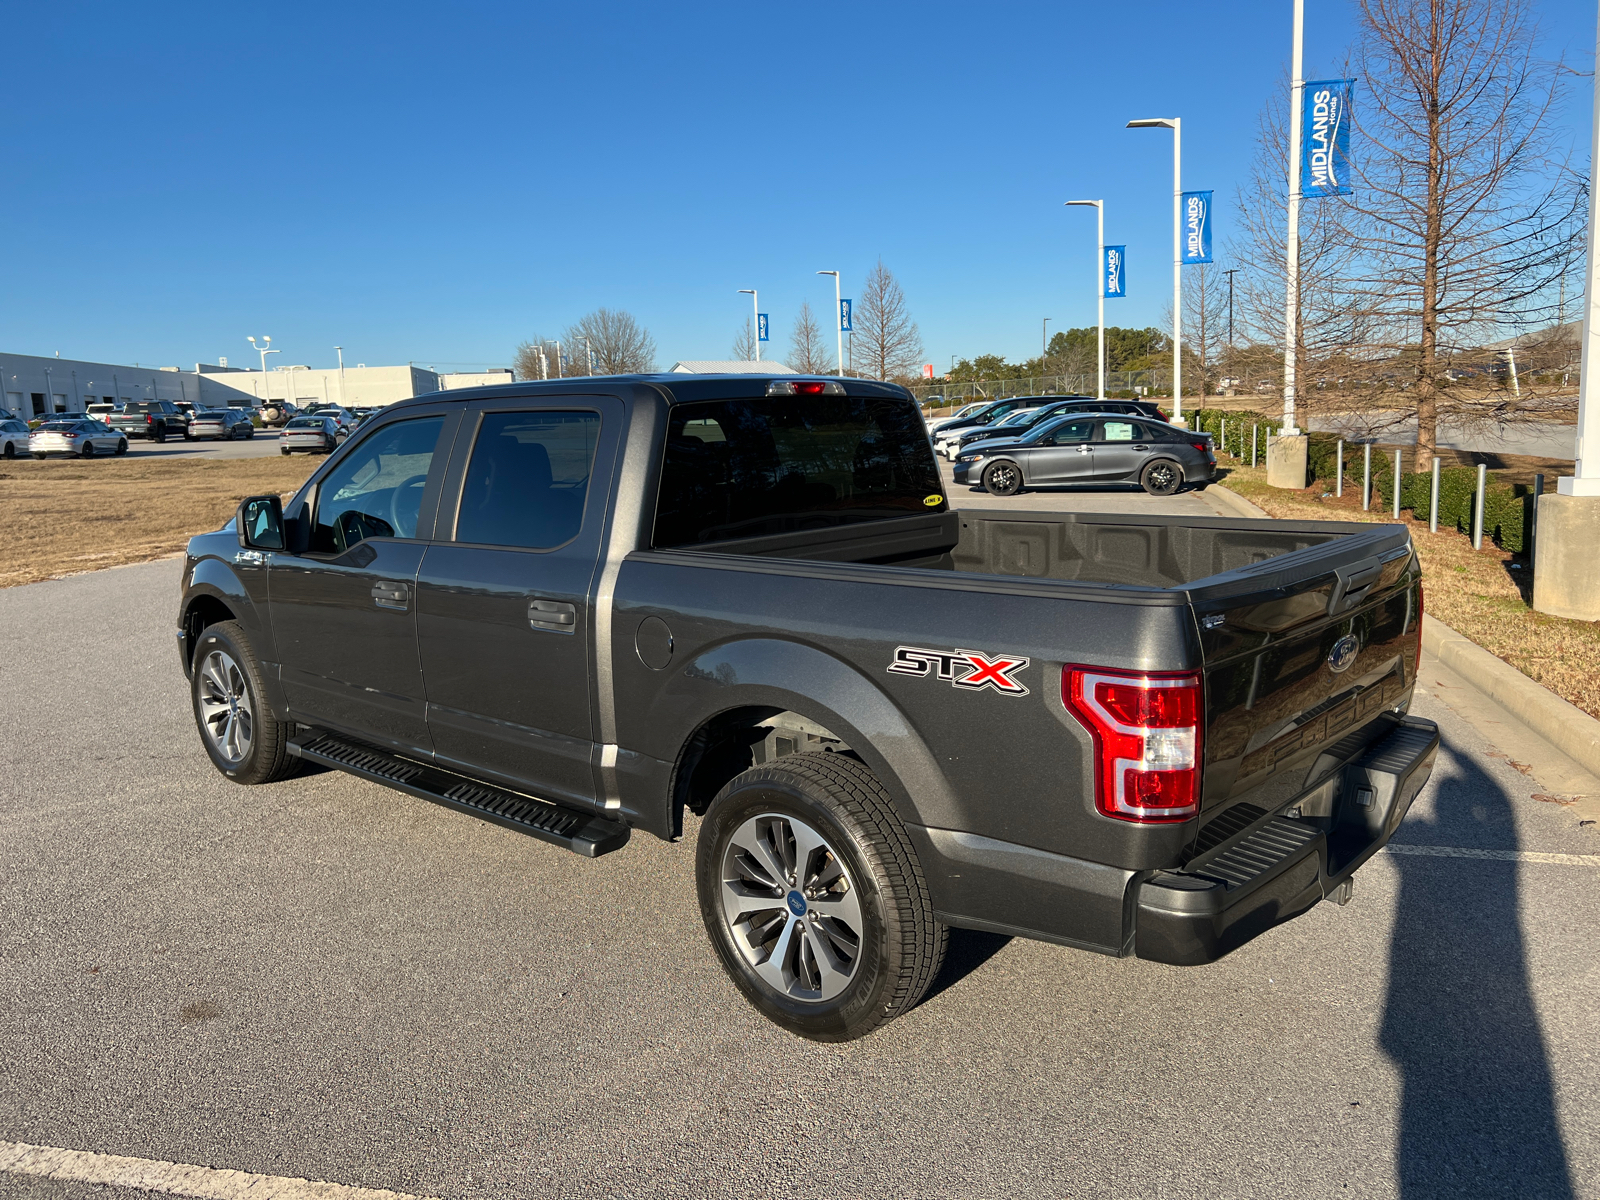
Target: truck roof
point(674, 388)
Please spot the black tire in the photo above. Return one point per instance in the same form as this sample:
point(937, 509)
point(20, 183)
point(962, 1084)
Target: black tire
point(122, 446)
point(1161, 477)
point(901, 946)
point(39, 456)
point(250, 433)
point(267, 757)
point(87, 451)
point(285, 451)
point(10, 450)
point(160, 435)
point(1002, 478)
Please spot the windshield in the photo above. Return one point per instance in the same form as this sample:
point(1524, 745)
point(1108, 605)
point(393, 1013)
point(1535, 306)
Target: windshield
point(756, 468)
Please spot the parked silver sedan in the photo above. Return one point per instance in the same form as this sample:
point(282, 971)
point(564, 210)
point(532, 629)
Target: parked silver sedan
point(226, 423)
point(83, 438)
point(313, 434)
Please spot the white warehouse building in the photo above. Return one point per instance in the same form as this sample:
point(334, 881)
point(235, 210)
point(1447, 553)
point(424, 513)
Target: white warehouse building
point(37, 386)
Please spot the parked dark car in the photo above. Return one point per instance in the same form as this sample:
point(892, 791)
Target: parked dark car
point(992, 412)
point(154, 419)
point(1015, 426)
point(225, 423)
point(581, 607)
point(1099, 450)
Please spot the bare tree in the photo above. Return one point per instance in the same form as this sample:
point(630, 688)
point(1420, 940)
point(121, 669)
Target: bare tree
point(1205, 320)
point(535, 359)
point(744, 346)
point(807, 352)
point(620, 345)
point(1465, 217)
point(891, 347)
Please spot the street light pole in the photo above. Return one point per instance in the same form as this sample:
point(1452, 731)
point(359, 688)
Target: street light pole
point(1100, 293)
point(1297, 90)
point(755, 320)
point(340, 349)
point(560, 373)
point(266, 392)
point(838, 316)
point(1176, 125)
point(1044, 341)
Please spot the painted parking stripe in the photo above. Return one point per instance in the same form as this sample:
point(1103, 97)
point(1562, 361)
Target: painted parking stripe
point(1522, 856)
point(174, 1179)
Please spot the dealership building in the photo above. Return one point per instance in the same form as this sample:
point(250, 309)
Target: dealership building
point(37, 386)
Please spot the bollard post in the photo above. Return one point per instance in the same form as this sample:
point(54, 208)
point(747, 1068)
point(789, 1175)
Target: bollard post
point(1338, 474)
point(1533, 518)
point(1366, 477)
point(1433, 499)
point(1253, 429)
point(1477, 512)
point(1224, 438)
point(1397, 483)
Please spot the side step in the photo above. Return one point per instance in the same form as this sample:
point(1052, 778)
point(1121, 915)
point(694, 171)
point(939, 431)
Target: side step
point(583, 833)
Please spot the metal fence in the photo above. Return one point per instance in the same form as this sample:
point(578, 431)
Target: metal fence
point(1127, 384)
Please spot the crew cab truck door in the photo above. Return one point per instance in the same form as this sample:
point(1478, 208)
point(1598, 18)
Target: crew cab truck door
point(343, 609)
point(1064, 456)
point(504, 599)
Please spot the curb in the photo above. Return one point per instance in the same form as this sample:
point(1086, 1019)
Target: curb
point(1231, 504)
point(1565, 726)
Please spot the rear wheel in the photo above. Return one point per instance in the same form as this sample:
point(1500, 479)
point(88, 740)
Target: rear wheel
point(1002, 478)
point(812, 895)
point(10, 451)
point(87, 451)
point(1162, 477)
point(122, 445)
point(160, 435)
point(284, 450)
point(38, 456)
point(242, 737)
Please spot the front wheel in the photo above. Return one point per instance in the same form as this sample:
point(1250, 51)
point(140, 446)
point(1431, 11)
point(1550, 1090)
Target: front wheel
point(812, 895)
point(1002, 478)
point(244, 740)
point(122, 446)
point(1162, 477)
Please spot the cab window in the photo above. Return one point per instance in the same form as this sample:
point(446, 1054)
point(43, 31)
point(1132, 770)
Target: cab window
point(528, 479)
point(1070, 432)
point(377, 490)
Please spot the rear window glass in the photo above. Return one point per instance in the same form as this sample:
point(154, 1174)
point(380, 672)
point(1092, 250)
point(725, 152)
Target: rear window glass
point(305, 423)
point(781, 464)
point(528, 479)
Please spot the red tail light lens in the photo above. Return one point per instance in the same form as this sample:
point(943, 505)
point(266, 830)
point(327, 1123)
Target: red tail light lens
point(1146, 730)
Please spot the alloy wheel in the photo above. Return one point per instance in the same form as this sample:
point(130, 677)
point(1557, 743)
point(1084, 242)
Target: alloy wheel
point(226, 711)
point(791, 908)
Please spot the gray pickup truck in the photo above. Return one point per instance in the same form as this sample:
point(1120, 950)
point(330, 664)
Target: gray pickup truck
point(580, 607)
point(154, 419)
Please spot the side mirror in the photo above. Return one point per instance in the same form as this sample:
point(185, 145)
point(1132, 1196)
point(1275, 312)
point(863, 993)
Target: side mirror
point(260, 523)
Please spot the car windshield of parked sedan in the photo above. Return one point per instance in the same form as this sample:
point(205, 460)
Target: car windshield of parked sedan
point(305, 423)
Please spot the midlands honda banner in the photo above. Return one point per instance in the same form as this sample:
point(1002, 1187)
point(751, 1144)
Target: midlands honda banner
point(1196, 210)
point(1325, 138)
point(1116, 280)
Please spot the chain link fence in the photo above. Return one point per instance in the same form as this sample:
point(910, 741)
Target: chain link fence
point(1125, 385)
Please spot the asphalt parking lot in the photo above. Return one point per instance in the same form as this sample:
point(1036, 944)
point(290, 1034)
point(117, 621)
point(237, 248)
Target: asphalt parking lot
point(325, 979)
point(265, 442)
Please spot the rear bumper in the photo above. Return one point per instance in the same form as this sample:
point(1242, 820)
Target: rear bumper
point(1281, 868)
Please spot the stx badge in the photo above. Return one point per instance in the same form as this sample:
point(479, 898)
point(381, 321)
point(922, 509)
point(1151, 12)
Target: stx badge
point(963, 668)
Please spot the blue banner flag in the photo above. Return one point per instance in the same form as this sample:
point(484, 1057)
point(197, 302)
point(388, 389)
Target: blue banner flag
point(1115, 276)
point(1196, 211)
point(1325, 138)
point(761, 327)
point(844, 317)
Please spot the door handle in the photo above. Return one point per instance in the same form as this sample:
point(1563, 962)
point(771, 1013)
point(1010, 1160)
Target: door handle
point(394, 596)
point(1085, 449)
point(1141, 447)
point(553, 616)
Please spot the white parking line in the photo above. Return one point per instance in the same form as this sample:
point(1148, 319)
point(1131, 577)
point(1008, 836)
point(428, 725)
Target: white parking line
point(174, 1179)
point(1524, 856)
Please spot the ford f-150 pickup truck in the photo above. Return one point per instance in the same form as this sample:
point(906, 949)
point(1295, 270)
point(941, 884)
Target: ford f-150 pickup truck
point(580, 607)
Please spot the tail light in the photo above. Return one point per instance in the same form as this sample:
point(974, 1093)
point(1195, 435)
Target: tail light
point(149, 420)
point(1147, 746)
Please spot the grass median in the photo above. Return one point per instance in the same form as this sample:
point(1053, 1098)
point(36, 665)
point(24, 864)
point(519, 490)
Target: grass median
point(62, 516)
point(1485, 595)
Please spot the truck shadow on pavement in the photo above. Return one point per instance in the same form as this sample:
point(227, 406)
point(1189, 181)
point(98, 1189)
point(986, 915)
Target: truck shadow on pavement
point(1478, 1114)
point(969, 950)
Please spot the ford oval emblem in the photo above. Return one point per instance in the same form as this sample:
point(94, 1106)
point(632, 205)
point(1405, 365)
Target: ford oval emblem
point(1343, 654)
point(797, 904)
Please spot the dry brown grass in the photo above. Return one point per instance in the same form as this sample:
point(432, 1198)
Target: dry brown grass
point(62, 516)
point(1482, 595)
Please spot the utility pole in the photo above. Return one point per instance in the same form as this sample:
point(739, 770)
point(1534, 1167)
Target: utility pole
point(1291, 340)
point(838, 317)
point(1044, 341)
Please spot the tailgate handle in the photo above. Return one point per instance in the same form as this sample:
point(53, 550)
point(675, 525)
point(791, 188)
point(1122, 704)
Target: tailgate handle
point(1354, 583)
point(553, 615)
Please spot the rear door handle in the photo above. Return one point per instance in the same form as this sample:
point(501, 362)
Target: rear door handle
point(396, 596)
point(555, 616)
point(1085, 450)
point(1141, 447)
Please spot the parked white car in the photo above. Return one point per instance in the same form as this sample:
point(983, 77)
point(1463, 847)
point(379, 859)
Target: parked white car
point(82, 437)
point(13, 437)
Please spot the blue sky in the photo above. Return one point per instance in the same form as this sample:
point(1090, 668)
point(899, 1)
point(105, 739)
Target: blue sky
point(435, 183)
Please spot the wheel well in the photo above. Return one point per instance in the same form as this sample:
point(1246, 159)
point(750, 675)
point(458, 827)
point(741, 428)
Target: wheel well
point(203, 611)
point(732, 742)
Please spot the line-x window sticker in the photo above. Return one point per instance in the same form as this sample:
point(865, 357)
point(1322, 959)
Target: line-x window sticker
point(963, 668)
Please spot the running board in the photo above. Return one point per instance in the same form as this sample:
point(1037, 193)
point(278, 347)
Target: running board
point(581, 832)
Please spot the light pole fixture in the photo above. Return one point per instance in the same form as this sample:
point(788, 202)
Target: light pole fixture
point(1291, 317)
point(1044, 341)
point(288, 387)
point(588, 349)
point(266, 392)
point(1099, 291)
point(340, 349)
point(560, 373)
point(838, 317)
point(755, 320)
point(1176, 125)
